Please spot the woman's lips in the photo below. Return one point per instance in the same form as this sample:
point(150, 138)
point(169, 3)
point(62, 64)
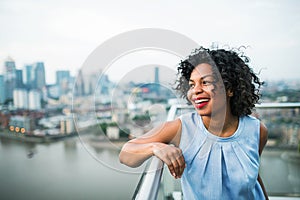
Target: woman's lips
point(201, 102)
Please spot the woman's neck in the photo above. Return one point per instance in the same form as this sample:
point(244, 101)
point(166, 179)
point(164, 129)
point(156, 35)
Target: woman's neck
point(222, 126)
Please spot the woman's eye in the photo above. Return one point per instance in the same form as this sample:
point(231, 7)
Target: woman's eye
point(206, 82)
point(191, 85)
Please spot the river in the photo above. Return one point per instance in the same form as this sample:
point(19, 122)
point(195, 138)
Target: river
point(73, 169)
point(63, 170)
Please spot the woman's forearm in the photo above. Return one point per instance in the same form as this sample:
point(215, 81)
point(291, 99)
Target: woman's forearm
point(134, 154)
point(156, 141)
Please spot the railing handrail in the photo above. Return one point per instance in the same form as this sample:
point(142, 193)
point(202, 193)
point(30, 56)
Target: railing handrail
point(148, 186)
point(278, 105)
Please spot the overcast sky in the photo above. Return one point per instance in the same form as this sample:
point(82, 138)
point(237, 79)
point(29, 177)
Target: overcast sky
point(63, 33)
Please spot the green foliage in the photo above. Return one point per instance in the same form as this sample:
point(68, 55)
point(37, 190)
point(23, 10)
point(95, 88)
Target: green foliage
point(142, 120)
point(124, 133)
point(145, 117)
point(104, 125)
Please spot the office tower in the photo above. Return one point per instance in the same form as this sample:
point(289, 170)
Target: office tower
point(156, 76)
point(28, 76)
point(62, 80)
point(79, 84)
point(19, 79)
point(9, 78)
point(62, 75)
point(34, 76)
point(104, 84)
point(2, 90)
point(156, 81)
point(39, 75)
point(90, 81)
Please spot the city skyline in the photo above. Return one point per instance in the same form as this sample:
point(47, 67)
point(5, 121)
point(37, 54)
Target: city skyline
point(63, 36)
point(27, 88)
point(129, 75)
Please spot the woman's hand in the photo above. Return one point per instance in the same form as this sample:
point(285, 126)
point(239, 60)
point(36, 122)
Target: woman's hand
point(173, 158)
point(156, 142)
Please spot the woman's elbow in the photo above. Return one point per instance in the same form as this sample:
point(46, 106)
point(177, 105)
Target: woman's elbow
point(125, 159)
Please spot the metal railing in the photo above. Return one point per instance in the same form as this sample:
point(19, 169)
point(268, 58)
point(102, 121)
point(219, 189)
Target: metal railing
point(147, 188)
point(149, 184)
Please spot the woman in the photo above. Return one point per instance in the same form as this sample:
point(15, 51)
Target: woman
point(215, 149)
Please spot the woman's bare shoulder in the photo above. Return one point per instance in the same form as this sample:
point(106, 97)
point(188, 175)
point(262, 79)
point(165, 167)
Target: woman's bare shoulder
point(166, 132)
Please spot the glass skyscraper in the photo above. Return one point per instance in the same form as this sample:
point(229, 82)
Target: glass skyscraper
point(2, 90)
point(39, 75)
point(9, 78)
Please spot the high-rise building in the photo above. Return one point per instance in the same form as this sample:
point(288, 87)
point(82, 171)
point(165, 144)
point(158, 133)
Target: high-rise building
point(2, 90)
point(19, 79)
point(79, 85)
point(24, 99)
point(9, 78)
point(39, 75)
point(28, 76)
point(34, 76)
point(156, 81)
point(34, 99)
point(105, 84)
point(20, 98)
point(62, 80)
point(91, 80)
point(156, 75)
point(62, 75)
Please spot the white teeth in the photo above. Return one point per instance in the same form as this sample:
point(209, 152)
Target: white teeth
point(201, 100)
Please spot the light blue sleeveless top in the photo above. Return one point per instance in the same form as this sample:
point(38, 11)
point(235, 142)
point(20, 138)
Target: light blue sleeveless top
point(220, 168)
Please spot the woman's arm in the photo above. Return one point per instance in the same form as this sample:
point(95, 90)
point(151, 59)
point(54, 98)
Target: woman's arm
point(262, 143)
point(156, 142)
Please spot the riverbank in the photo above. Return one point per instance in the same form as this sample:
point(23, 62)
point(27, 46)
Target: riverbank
point(34, 138)
point(100, 142)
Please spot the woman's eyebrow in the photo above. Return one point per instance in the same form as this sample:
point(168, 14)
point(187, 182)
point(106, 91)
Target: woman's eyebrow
point(208, 75)
point(203, 77)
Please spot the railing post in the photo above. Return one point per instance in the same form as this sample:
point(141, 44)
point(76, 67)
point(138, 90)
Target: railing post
point(148, 188)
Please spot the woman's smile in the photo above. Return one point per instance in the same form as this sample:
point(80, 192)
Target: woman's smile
point(200, 102)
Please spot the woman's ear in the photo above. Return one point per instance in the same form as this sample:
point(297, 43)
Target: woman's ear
point(230, 93)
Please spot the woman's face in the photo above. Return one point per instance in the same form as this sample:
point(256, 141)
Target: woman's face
point(207, 95)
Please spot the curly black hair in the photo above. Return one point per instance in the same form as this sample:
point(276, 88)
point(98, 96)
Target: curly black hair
point(237, 76)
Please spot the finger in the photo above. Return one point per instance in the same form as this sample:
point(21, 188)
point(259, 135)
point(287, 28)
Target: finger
point(179, 166)
point(179, 163)
point(182, 165)
point(176, 168)
point(171, 169)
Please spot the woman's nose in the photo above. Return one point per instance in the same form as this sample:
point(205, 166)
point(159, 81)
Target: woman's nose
point(198, 89)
